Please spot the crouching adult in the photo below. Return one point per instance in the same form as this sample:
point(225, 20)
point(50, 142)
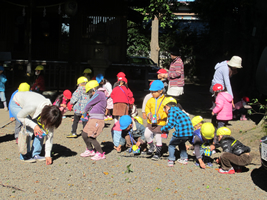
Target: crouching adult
point(40, 118)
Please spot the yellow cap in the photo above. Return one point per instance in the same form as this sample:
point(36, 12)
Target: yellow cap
point(90, 85)
point(207, 130)
point(39, 67)
point(139, 119)
point(223, 131)
point(168, 100)
point(23, 87)
point(87, 71)
point(82, 79)
point(196, 120)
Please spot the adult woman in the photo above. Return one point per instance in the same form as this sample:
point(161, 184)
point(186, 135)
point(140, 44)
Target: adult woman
point(39, 116)
point(39, 84)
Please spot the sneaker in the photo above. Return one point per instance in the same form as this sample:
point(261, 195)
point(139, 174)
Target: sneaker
point(183, 161)
point(151, 150)
point(209, 164)
point(27, 158)
point(17, 140)
point(87, 153)
point(39, 158)
point(230, 171)
point(238, 169)
point(106, 118)
point(155, 157)
point(5, 108)
point(110, 117)
point(72, 135)
point(197, 164)
point(170, 163)
point(64, 117)
point(98, 156)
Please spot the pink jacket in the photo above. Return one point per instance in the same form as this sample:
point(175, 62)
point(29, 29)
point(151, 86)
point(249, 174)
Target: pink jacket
point(224, 107)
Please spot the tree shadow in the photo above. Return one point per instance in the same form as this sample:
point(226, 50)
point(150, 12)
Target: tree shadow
point(7, 138)
point(61, 151)
point(259, 178)
point(107, 147)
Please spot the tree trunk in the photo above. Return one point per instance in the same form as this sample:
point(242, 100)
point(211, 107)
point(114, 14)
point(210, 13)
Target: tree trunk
point(154, 43)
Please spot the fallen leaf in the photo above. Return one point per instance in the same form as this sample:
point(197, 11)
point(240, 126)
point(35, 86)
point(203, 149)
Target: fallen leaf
point(106, 173)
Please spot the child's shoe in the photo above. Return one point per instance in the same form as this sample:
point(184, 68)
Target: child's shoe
point(209, 164)
point(230, 171)
point(99, 156)
point(183, 161)
point(63, 117)
point(110, 117)
point(155, 157)
point(170, 163)
point(243, 118)
point(6, 109)
point(106, 118)
point(151, 149)
point(72, 135)
point(39, 158)
point(87, 153)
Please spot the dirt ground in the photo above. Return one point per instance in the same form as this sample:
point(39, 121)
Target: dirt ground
point(73, 177)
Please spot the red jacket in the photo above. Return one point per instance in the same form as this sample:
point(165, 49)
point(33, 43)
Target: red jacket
point(39, 84)
point(121, 94)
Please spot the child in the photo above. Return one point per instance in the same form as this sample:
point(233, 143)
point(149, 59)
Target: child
point(164, 80)
point(147, 97)
point(197, 122)
point(86, 73)
point(203, 143)
point(2, 87)
point(122, 99)
point(39, 84)
point(241, 108)
point(62, 101)
point(120, 76)
point(23, 87)
point(223, 108)
point(156, 118)
point(79, 99)
point(107, 86)
point(96, 107)
point(183, 130)
point(234, 152)
point(131, 131)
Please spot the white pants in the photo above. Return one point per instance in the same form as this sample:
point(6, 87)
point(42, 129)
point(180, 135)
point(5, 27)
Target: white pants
point(175, 91)
point(149, 135)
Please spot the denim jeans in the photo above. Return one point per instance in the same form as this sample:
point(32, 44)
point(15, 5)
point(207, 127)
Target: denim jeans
point(181, 144)
point(14, 109)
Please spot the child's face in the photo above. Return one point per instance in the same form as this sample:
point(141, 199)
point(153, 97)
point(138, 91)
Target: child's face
point(220, 137)
point(166, 109)
point(129, 127)
point(156, 94)
point(198, 126)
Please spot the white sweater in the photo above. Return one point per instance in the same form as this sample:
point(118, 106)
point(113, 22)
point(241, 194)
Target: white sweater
point(32, 104)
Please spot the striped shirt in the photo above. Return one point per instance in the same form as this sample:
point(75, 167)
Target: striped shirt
point(176, 73)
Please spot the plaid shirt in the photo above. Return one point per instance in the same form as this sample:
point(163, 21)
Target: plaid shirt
point(180, 121)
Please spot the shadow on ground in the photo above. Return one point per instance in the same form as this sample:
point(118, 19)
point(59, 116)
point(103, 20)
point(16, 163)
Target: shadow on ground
point(259, 178)
point(61, 151)
point(107, 147)
point(7, 138)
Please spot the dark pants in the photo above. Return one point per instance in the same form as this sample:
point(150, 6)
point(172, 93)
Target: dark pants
point(227, 159)
point(89, 141)
point(76, 120)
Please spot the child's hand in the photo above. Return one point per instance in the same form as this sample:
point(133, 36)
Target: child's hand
point(144, 115)
point(218, 160)
point(212, 147)
point(12, 119)
point(138, 143)
point(48, 160)
point(37, 131)
point(187, 147)
point(63, 105)
point(212, 113)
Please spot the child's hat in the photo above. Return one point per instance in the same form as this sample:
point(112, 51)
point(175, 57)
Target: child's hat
point(139, 120)
point(87, 71)
point(67, 94)
point(123, 79)
point(121, 74)
point(196, 120)
point(162, 71)
point(23, 87)
point(2, 68)
point(82, 79)
point(223, 131)
point(207, 130)
point(91, 84)
point(99, 77)
point(246, 99)
point(156, 85)
point(217, 87)
point(39, 67)
point(168, 100)
point(125, 121)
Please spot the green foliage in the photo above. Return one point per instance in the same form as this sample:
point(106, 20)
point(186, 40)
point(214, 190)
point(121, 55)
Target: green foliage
point(128, 170)
point(262, 111)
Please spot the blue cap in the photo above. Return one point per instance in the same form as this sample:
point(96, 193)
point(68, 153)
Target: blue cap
point(2, 68)
point(99, 77)
point(156, 85)
point(125, 121)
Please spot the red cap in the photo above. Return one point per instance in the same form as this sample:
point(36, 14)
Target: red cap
point(162, 71)
point(67, 94)
point(246, 99)
point(217, 87)
point(121, 74)
point(125, 80)
point(69, 106)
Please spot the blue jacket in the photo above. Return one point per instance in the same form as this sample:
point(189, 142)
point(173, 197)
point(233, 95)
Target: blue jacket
point(79, 99)
point(180, 121)
point(2, 82)
point(10, 114)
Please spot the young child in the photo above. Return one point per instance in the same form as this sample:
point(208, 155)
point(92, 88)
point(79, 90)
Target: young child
point(223, 108)
point(183, 130)
point(147, 97)
point(79, 100)
point(235, 154)
point(241, 108)
point(122, 99)
point(86, 73)
point(2, 87)
point(132, 133)
point(164, 80)
point(108, 87)
point(96, 107)
point(203, 144)
point(197, 122)
point(156, 119)
point(23, 87)
point(62, 101)
point(120, 76)
point(39, 84)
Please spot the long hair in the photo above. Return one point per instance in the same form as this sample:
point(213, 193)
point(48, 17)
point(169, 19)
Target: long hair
point(51, 116)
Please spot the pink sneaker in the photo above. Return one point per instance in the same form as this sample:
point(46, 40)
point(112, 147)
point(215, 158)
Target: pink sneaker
point(88, 153)
point(99, 156)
